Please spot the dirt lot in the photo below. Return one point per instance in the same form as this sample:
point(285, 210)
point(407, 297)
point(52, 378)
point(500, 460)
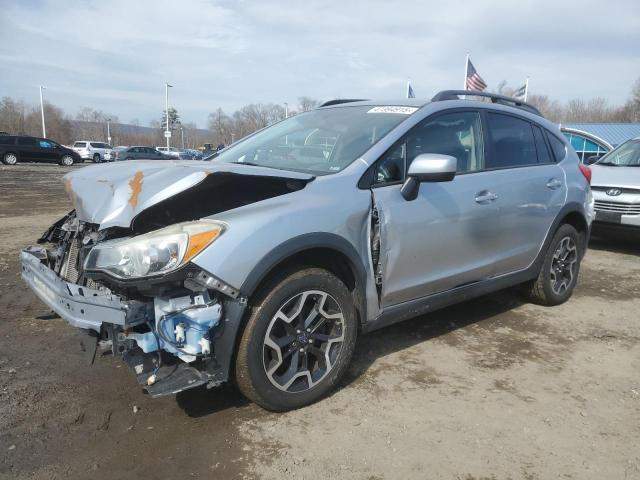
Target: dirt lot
point(491, 389)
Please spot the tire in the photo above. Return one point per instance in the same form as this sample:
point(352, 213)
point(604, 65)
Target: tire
point(275, 377)
point(96, 158)
point(10, 158)
point(66, 160)
point(559, 271)
point(129, 158)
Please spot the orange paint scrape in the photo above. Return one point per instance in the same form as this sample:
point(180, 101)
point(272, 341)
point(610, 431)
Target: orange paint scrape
point(136, 187)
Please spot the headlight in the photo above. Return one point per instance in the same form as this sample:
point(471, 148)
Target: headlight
point(153, 253)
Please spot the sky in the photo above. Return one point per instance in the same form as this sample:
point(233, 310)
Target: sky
point(116, 55)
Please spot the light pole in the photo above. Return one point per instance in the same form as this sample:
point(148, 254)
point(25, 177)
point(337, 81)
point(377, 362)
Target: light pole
point(233, 136)
point(44, 131)
point(167, 132)
point(182, 135)
point(109, 131)
point(286, 110)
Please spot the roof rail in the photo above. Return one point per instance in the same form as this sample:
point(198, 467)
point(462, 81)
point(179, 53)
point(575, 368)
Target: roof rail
point(338, 101)
point(495, 98)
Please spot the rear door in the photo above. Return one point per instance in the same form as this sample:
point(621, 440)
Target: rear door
point(445, 237)
point(28, 148)
point(530, 186)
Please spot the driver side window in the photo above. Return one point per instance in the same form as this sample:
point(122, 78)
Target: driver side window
point(458, 134)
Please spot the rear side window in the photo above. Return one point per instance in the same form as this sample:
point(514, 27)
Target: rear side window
point(541, 146)
point(513, 142)
point(97, 145)
point(7, 140)
point(557, 147)
point(80, 144)
point(27, 141)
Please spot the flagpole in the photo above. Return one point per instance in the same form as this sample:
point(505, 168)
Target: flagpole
point(466, 70)
point(526, 89)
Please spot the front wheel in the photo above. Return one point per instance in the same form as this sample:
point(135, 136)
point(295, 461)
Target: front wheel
point(66, 160)
point(10, 159)
point(298, 340)
point(559, 272)
point(96, 158)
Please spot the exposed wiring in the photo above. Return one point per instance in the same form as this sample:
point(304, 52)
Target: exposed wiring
point(161, 332)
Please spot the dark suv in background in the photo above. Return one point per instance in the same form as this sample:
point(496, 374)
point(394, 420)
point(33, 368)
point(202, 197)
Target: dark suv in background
point(17, 148)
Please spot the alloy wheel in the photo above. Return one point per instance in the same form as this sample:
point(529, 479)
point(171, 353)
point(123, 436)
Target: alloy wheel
point(563, 265)
point(67, 161)
point(10, 159)
point(303, 341)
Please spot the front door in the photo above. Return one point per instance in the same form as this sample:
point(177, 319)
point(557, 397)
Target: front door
point(445, 237)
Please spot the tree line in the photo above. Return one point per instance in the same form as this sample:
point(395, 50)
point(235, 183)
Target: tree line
point(578, 110)
point(18, 117)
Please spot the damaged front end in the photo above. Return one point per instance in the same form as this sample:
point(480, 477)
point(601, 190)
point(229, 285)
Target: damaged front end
point(175, 326)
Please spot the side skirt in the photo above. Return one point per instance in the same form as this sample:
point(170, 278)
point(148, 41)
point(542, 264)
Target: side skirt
point(405, 311)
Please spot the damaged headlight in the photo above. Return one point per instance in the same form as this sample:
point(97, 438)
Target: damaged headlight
point(153, 253)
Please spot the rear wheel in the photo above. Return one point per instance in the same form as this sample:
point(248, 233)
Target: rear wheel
point(10, 158)
point(96, 158)
point(66, 160)
point(298, 341)
point(559, 272)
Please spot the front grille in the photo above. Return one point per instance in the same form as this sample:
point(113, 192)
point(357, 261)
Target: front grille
point(625, 208)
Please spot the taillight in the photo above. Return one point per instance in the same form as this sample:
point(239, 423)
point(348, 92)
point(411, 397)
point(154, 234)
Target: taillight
point(586, 171)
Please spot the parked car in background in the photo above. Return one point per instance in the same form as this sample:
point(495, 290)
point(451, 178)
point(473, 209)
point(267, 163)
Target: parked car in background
point(139, 153)
point(171, 151)
point(180, 153)
point(89, 150)
point(616, 188)
point(18, 148)
point(265, 264)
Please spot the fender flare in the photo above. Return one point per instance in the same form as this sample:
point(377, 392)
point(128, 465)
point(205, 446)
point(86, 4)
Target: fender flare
point(299, 244)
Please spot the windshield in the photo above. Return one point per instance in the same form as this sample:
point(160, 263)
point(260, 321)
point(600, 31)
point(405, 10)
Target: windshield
point(320, 142)
point(626, 155)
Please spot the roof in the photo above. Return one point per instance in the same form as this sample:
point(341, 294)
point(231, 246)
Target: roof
point(612, 133)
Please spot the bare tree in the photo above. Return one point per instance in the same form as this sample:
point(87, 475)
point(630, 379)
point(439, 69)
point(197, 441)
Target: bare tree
point(306, 103)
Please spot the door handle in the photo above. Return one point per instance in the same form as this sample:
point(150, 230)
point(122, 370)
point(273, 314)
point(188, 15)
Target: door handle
point(485, 197)
point(554, 184)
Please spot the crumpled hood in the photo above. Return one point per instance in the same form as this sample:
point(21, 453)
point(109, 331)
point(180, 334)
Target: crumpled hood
point(621, 177)
point(112, 194)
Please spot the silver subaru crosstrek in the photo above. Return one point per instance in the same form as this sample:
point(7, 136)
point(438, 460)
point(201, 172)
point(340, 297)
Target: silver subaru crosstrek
point(264, 264)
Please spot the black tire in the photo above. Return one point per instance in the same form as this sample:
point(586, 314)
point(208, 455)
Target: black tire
point(552, 286)
point(253, 354)
point(129, 158)
point(10, 158)
point(96, 158)
point(66, 160)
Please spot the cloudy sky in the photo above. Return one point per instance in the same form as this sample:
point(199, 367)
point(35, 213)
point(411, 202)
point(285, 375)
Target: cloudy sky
point(115, 55)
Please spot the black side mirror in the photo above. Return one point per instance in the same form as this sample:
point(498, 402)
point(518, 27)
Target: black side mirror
point(428, 167)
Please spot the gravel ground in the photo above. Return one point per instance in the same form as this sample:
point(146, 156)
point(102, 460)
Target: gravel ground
point(490, 389)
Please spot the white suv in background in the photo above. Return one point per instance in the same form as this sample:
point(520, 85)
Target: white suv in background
point(96, 151)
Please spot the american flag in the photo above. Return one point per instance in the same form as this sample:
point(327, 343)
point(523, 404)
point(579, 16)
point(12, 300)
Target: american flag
point(474, 81)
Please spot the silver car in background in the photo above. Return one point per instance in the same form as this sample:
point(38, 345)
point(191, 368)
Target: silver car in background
point(264, 264)
point(95, 151)
point(616, 188)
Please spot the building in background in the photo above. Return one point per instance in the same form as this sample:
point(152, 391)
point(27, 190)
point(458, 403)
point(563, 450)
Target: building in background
point(596, 139)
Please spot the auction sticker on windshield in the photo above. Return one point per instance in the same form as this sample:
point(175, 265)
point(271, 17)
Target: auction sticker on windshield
point(393, 109)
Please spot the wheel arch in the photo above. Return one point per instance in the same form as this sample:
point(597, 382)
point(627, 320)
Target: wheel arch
point(324, 250)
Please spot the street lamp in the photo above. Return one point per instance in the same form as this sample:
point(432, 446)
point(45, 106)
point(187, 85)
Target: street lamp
point(109, 131)
point(44, 131)
point(286, 110)
point(167, 132)
point(182, 135)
